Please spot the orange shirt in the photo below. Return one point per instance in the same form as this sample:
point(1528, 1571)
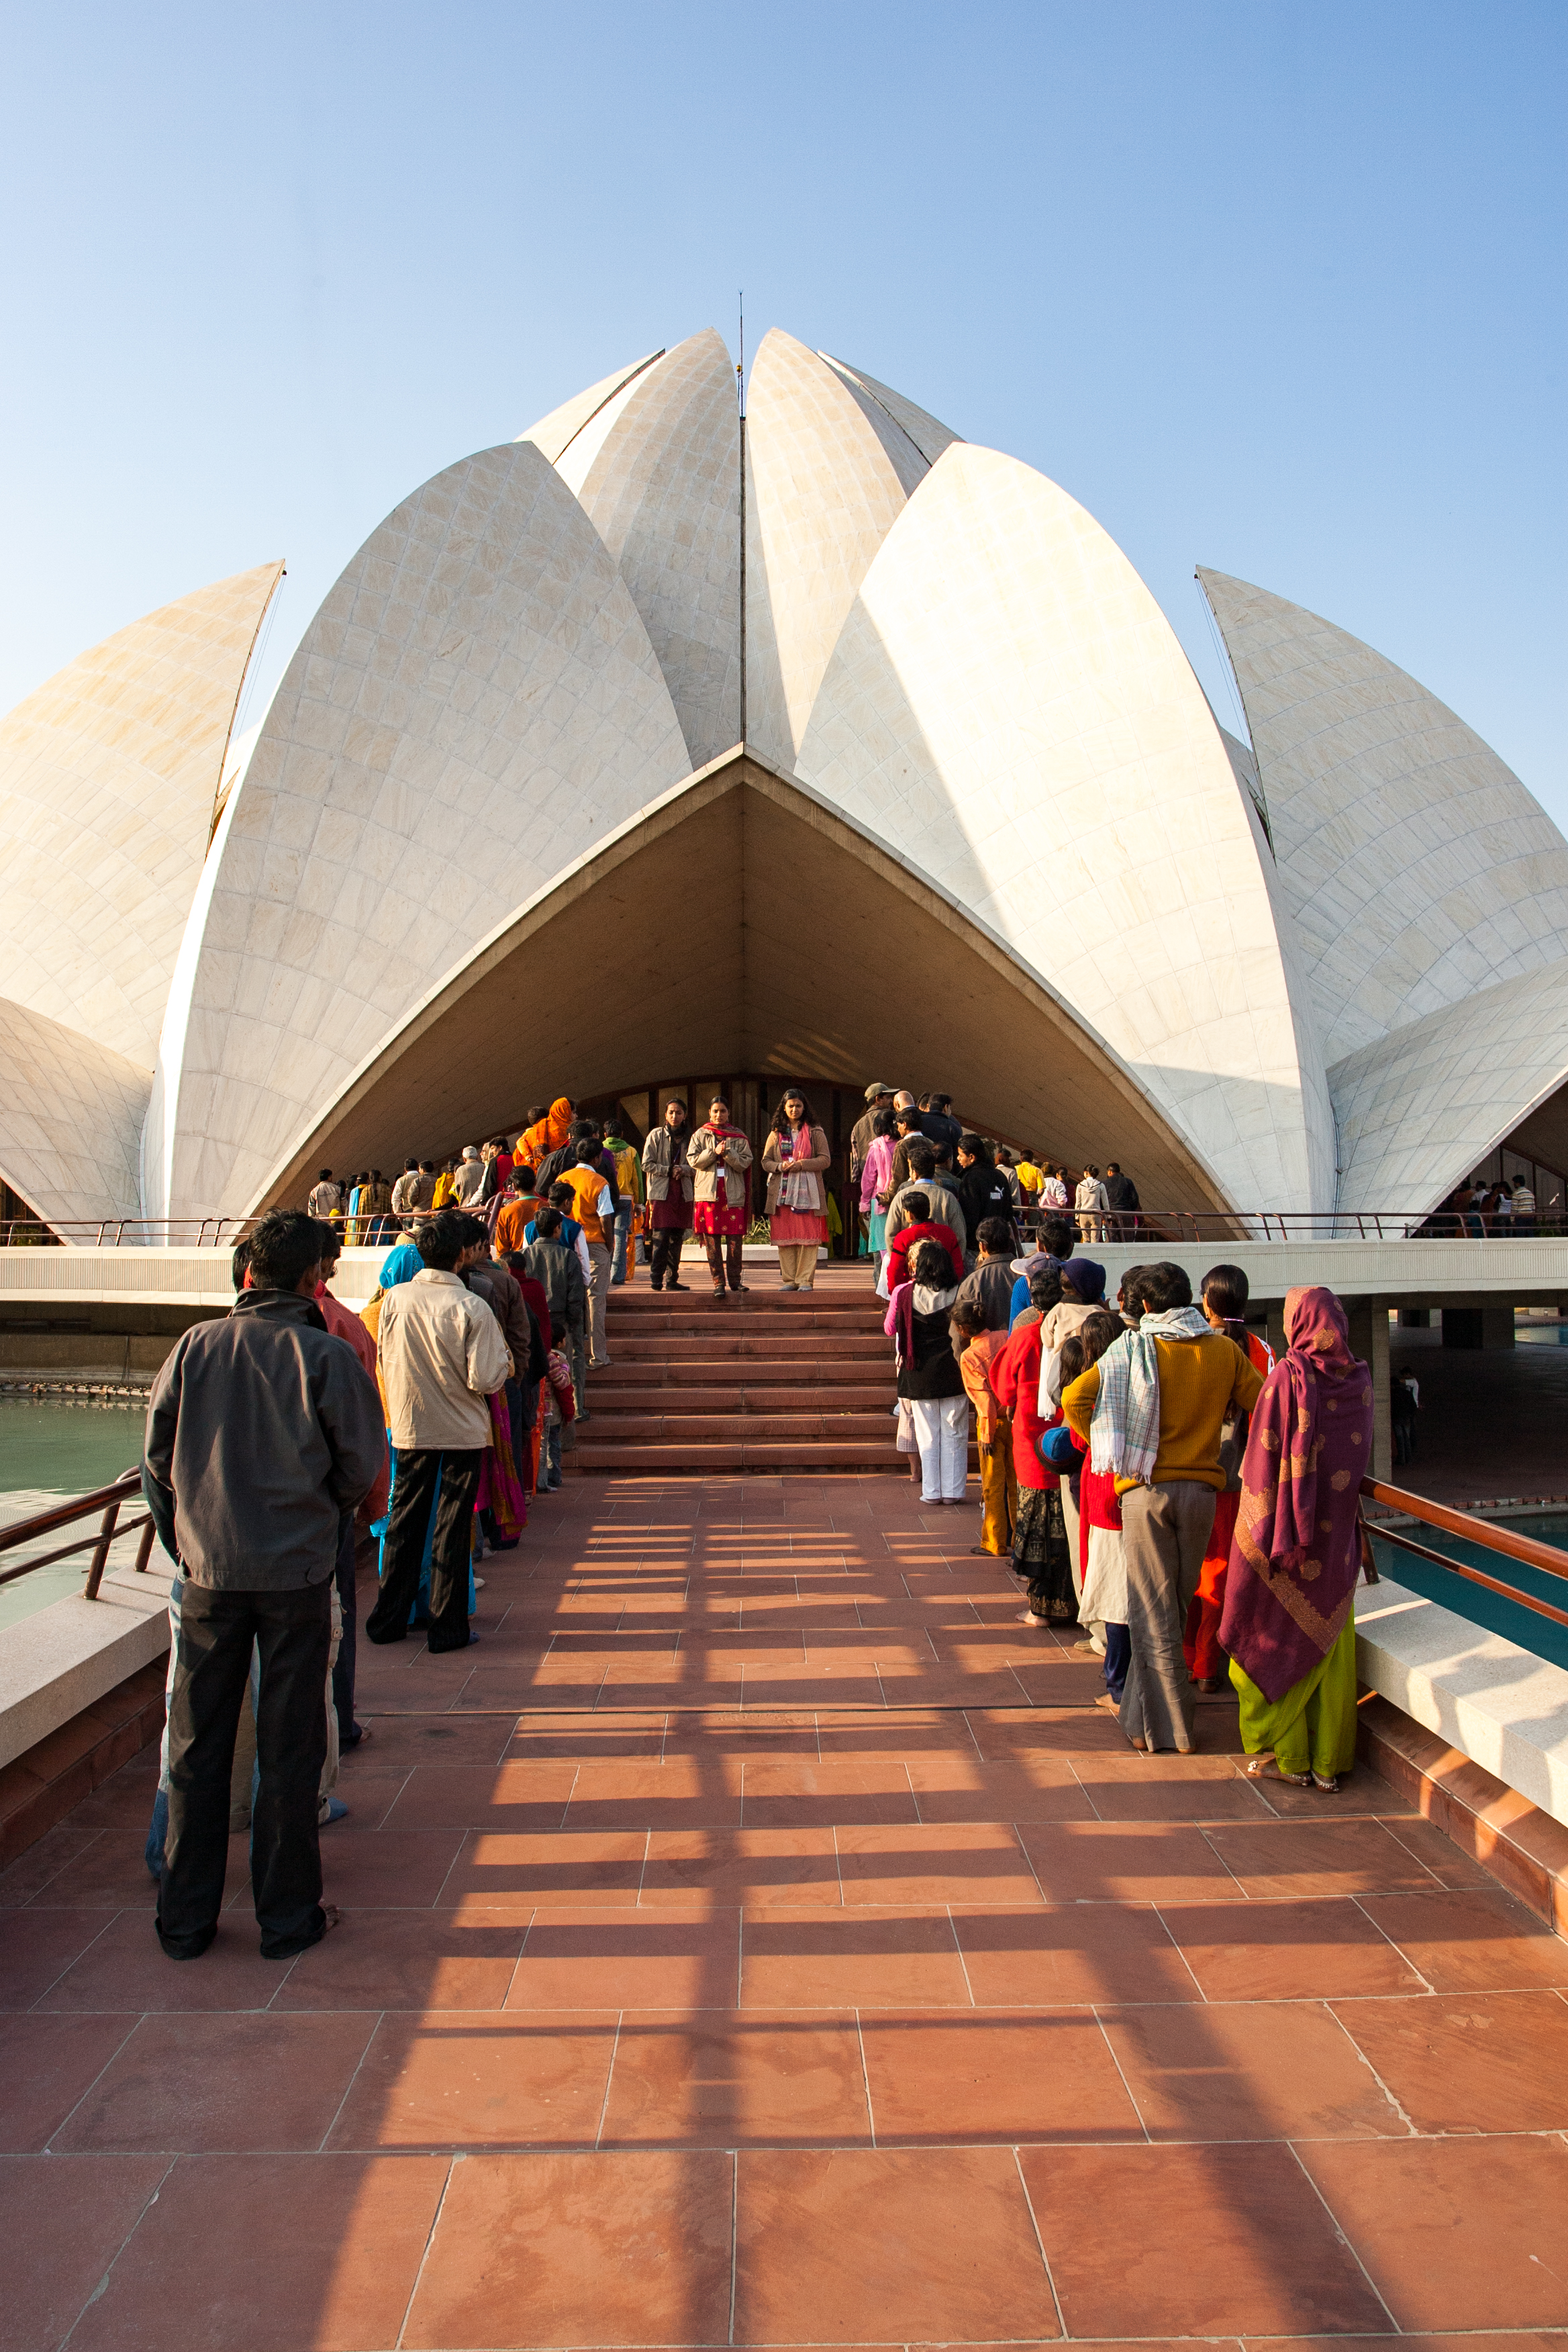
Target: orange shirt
point(512, 1220)
point(588, 1186)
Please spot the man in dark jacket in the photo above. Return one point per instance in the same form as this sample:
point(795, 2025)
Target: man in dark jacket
point(262, 1431)
point(1121, 1194)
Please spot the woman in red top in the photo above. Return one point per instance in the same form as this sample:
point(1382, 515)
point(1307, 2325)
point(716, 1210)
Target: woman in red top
point(1040, 1554)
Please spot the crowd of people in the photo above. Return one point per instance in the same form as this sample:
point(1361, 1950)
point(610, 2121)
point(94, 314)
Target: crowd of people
point(1153, 1476)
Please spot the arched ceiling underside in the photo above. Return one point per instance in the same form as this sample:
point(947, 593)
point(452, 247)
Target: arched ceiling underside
point(70, 1137)
point(741, 925)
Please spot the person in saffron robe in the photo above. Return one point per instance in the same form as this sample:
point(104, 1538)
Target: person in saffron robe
point(1041, 1561)
point(549, 1133)
point(1289, 1625)
point(1224, 1295)
point(992, 1429)
point(721, 1160)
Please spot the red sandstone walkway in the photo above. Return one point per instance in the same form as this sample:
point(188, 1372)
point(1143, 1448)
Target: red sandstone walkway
point(759, 1939)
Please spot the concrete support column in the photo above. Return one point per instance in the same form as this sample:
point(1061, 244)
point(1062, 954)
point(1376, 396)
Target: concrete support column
point(1369, 1340)
point(1275, 1312)
point(1478, 1327)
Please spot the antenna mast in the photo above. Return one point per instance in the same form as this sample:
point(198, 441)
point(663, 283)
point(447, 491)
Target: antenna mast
point(740, 411)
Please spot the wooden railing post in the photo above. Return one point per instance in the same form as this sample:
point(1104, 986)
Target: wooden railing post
point(100, 1551)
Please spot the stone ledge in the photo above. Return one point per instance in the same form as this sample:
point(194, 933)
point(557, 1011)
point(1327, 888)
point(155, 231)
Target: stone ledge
point(65, 1659)
point(1521, 1846)
point(39, 1787)
point(1498, 1706)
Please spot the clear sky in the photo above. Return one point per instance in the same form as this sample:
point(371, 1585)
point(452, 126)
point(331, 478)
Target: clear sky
point(1274, 288)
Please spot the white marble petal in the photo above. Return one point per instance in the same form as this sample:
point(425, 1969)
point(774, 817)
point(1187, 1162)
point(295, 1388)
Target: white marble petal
point(108, 782)
point(1420, 1108)
point(821, 494)
point(663, 491)
point(1419, 868)
point(555, 433)
point(474, 706)
point(70, 1119)
point(930, 435)
point(1008, 708)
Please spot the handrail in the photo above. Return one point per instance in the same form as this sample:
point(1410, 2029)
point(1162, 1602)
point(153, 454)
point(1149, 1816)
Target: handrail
point(107, 1499)
point(1502, 1540)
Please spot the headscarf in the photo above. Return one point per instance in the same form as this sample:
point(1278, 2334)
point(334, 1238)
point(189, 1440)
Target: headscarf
point(401, 1266)
point(1296, 1555)
point(549, 1134)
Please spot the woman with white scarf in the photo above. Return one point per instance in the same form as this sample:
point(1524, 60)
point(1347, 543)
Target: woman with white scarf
point(930, 1385)
point(795, 1158)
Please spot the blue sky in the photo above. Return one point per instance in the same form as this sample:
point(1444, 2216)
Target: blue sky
point(1278, 288)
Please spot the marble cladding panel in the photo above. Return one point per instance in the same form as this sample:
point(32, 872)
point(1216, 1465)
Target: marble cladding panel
point(1008, 709)
point(1417, 866)
point(822, 495)
point(109, 782)
point(554, 433)
point(929, 436)
point(362, 860)
point(1418, 1109)
point(71, 1118)
point(663, 492)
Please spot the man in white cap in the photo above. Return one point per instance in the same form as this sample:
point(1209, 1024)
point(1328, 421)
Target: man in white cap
point(469, 1180)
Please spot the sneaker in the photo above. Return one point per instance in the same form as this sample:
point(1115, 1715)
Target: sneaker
point(334, 1809)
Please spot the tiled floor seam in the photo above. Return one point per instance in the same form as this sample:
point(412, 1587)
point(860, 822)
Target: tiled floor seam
point(1040, 2244)
point(101, 2288)
point(609, 2078)
point(452, 2163)
point(1344, 2237)
point(65, 1971)
point(136, 2020)
point(1399, 2109)
point(380, 2016)
point(1426, 1984)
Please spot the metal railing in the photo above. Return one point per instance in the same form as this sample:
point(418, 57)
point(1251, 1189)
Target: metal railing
point(1129, 1227)
point(1501, 1540)
point(108, 1501)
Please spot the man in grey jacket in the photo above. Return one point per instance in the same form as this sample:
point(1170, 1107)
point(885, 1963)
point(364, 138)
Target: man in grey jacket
point(946, 1208)
point(262, 1431)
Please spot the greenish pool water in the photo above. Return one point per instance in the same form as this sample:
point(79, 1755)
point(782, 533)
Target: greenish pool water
point(1539, 1635)
point(52, 1448)
point(47, 1442)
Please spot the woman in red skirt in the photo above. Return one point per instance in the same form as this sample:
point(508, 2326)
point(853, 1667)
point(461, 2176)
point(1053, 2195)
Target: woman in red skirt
point(721, 1160)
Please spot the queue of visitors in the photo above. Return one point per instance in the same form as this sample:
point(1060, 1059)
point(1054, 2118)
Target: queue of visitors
point(1151, 1473)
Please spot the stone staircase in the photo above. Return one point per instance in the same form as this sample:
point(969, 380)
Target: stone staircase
point(770, 1379)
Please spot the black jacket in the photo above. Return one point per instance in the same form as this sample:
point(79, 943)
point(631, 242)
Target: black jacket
point(985, 1192)
point(1121, 1192)
point(556, 1164)
point(263, 1432)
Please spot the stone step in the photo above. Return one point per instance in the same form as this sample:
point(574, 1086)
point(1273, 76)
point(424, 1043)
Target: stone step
point(805, 1347)
point(698, 1456)
point(752, 1326)
point(708, 1371)
point(801, 1418)
point(698, 1297)
point(606, 1393)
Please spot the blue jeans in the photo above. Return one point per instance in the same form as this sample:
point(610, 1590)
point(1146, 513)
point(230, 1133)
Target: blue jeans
point(550, 1459)
point(623, 1242)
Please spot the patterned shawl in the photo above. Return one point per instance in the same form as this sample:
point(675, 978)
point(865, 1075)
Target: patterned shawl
point(1125, 1436)
point(797, 1187)
point(1296, 1555)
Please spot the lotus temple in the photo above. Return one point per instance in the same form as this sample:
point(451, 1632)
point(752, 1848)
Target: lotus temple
point(660, 745)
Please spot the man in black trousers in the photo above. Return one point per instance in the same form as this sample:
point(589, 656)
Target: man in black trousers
point(262, 1431)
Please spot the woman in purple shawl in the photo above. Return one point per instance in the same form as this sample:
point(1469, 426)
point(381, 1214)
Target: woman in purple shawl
point(1289, 1625)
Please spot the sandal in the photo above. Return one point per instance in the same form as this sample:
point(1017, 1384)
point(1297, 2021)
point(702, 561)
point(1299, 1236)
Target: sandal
point(1264, 1768)
point(1327, 1781)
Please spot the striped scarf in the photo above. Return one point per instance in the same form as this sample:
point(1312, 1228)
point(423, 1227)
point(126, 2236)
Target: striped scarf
point(1125, 1436)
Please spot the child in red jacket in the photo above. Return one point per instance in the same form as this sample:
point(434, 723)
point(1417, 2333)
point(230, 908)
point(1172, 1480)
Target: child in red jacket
point(909, 1237)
